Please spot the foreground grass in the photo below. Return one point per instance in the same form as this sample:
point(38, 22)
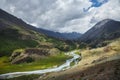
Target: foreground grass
point(90, 58)
point(101, 54)
point(6, 66)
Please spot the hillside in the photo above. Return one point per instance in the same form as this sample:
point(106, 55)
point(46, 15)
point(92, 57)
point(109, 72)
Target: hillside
point(104, 30)
point(97, 64)
point(15, 34)
point(24, 48)
point(13, 19)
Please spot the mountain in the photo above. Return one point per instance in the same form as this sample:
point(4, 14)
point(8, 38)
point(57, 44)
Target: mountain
point(63, 36)
point(71, 36)
point(16, 34)
point(104, 30)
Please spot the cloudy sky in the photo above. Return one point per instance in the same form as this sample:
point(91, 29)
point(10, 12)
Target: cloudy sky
point(63, 15)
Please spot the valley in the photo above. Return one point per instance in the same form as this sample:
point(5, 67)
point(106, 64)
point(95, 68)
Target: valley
point(24, 48)
point(64, 66)
point(96, 64)
point(40, 64)
point(30, 53)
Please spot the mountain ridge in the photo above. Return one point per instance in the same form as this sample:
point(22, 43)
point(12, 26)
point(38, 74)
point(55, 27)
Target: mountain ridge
point(63, 36)
point(17, 34)
point(107, 29)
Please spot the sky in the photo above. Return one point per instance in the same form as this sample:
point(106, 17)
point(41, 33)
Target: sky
point(63, 15)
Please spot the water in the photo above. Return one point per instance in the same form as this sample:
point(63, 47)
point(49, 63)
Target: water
point(64, 66)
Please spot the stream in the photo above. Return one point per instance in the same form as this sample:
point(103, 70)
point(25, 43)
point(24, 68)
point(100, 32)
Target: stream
point(75, 58)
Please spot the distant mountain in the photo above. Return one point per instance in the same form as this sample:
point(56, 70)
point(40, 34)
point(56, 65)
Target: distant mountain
point(104, 30)
point(72, 36)
point(63, 36)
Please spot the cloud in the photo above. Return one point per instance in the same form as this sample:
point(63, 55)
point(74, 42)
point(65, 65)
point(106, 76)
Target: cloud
point(62, 15)
point(110, 10)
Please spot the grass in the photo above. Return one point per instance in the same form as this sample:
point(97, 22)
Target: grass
point(100, 54)
point(8, 45)
point(72, 63)
point(78, 52)
point(10, 39)
point(6, 66)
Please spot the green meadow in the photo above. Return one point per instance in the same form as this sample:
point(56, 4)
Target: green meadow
point(48, 62)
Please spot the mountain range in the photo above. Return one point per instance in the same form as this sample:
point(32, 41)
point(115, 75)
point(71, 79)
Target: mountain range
point(106, 29)
point(22, 43)
point(64, 36)
point(16, 34)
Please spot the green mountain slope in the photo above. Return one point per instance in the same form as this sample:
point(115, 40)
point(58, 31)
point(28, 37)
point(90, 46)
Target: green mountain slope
point(16, 34)
point(23, 48)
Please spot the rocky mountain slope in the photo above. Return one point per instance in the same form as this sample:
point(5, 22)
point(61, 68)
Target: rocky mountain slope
point(104, 30)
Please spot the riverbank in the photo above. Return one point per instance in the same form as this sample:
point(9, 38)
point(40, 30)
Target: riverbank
point(96, 64)
point(61, 67)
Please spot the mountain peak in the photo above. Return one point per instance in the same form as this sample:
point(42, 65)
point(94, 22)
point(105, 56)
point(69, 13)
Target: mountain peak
point(103, 22)
point(103, 30)
point(108, 19)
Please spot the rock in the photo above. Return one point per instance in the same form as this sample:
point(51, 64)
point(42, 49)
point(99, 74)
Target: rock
point(38, 51)
point(24, 59)
point(32, 54)
point(54, 52)
point(14, 55)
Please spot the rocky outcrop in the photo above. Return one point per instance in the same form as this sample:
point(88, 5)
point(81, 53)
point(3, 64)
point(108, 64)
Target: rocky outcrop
point(104, 30)
point(32, 54)
point(22, 59)
point(40, 51)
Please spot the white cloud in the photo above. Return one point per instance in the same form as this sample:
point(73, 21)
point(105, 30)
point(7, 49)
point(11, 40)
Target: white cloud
point(62, 15)
point(34, 24)
point(12, 9)
point(110, 10)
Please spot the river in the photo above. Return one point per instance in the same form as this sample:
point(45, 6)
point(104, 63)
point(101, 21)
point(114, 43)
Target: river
point(75, 58)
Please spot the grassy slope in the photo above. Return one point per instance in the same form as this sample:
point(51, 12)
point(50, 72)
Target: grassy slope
point(6, 66)
point(11, 39)
point(92, 57)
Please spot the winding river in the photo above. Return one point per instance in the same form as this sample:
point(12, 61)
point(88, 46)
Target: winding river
point(64, 66)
